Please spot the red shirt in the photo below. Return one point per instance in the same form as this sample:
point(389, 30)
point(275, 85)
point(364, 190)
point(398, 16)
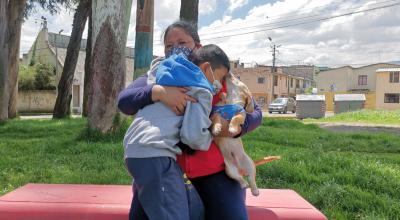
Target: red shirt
point(203, 163)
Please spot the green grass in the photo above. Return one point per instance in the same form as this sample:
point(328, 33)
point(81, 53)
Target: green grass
point(346, 176)
point(365, 116)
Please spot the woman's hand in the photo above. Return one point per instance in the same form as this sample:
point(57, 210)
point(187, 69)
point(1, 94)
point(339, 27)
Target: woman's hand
point(173, 97)
point(225, 128)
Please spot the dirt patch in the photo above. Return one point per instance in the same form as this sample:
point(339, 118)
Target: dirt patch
point(337, 127)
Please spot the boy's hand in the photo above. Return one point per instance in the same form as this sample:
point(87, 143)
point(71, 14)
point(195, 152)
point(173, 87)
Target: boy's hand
point(173, 97)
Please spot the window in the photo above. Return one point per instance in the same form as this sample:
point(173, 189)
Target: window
point(394, 77)
point(304, 84)
point(297, 83)
point(362, 80)
point(261, 80)
point(291, 82)
point(275, 81)
point(234, 65)
point(392, 97)
point(261, 101)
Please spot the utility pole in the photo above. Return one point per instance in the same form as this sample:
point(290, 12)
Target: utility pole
point(273, 69)
point(144, 36)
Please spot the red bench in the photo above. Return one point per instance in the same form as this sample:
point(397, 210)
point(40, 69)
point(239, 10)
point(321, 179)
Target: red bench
point(112, 202)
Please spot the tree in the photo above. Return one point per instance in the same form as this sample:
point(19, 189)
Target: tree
point(110, 31)
point(88, 75)
point(12, 15)
point(63, 101)
point(4, 91)
point(15, 18)
point(190, 11)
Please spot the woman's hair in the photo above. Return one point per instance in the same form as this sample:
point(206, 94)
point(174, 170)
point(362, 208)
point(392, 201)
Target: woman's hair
point(187, 27)
point(210, 53)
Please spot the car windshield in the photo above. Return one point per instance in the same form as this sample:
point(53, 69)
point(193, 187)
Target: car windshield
point(279, 101)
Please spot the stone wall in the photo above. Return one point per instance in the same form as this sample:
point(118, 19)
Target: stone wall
point(36, 101)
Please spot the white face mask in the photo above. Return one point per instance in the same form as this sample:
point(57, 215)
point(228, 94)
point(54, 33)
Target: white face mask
point(216, 83)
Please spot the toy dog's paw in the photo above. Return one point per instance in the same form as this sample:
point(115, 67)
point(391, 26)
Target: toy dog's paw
point(255, 192)
point(216, 129)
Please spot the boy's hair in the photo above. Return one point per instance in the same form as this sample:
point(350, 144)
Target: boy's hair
point(210, 53)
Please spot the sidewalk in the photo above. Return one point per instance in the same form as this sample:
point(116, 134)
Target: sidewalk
point(43, 116)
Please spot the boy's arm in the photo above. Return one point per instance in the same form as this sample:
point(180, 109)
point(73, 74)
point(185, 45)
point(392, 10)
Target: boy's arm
point(196, 122)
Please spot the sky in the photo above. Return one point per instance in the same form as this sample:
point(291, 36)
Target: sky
point(329, 33)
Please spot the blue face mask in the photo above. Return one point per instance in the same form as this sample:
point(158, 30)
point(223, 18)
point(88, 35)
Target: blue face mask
point(186, 51)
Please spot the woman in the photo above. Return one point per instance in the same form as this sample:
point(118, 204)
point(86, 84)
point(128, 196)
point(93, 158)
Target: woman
point(222, 196)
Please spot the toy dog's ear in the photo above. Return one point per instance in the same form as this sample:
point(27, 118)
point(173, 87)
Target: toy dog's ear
point(249, 106)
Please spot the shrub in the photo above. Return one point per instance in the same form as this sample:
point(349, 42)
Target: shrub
point(37, 77)
point(26, 77)
point(44, 78)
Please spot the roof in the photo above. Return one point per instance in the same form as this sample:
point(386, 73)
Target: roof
point(349, 97)
point(388, 70)
point(62, 41)
point(310, 97)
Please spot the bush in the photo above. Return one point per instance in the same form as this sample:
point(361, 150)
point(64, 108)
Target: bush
point(44, 78)
point(37, 77)
point(26, 77)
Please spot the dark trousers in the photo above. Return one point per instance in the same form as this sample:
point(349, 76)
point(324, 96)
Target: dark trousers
point(223, 198)
point(160, 191)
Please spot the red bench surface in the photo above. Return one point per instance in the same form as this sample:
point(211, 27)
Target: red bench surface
point(112, 202)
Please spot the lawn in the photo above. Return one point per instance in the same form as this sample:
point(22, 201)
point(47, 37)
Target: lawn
point(367, 116)
point(346, 176)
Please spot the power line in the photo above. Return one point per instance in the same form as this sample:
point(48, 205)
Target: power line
point(305, 22)
point(267, 24)
point(299, 23)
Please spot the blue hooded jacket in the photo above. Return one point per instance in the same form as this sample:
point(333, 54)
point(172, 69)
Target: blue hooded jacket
point(176, 70)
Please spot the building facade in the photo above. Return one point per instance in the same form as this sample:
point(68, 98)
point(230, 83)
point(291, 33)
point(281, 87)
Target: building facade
point(388, 88)
point(51, 48)
point(348, 79)
point(266, 85)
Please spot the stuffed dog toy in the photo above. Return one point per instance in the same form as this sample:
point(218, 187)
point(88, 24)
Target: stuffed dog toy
point(233, 106)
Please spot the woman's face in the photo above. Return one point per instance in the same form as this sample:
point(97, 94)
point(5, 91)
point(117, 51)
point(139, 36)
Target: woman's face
point(178, 37)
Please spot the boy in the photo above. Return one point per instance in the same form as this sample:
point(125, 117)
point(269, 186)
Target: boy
point(151, 141)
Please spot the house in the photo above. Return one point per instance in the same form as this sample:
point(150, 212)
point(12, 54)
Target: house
point(348, 79)
point(388, 88)
point(265, 85)
point(51, 48)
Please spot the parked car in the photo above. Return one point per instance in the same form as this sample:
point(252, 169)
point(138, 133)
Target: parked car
point(282, 105)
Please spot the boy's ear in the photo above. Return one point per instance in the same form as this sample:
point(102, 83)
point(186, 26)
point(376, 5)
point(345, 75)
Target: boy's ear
point(205, 67)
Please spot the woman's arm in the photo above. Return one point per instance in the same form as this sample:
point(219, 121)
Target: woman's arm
point(136, 96)
point(253, 120)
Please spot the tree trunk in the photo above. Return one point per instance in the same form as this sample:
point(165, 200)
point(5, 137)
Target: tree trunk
point(4, 91)
point(190, 11)
point(63, 101)
point(15, 18)
point(88, 75)
point(110, 31)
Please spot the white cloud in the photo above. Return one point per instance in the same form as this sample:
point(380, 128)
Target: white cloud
point(234, 4)
point(361, 38)
point(207, 6)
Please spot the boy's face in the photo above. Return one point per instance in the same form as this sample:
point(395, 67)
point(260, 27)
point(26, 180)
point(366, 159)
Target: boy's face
point(219, 73)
